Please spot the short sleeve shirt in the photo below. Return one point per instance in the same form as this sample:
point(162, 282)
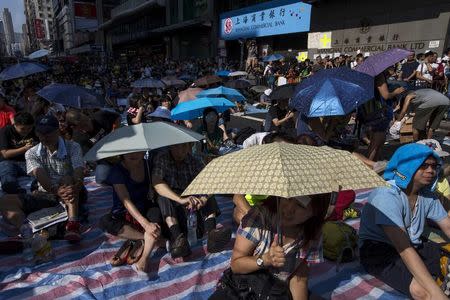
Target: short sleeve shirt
point(58, 164)
point(251, 228)
point(389, 206)
point(10, 139)
point(177, 175)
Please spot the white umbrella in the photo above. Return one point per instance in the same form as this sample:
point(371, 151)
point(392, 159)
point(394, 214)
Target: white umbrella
point(238, 73)
point(39, 53)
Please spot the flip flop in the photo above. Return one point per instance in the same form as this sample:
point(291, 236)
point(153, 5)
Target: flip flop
point(136, 252)
point(121, 256)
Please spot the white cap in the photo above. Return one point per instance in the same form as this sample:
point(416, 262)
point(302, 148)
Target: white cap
point(433, 144)
point(268, 92)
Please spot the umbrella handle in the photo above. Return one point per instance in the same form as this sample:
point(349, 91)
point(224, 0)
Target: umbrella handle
point(279, 231)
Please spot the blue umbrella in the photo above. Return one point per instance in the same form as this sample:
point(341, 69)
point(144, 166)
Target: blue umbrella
point(69, 95)
point(221, 91)
point(273, 57)
point(22, 70)
point(223, 73)
point(194, 109)
point(333, 92)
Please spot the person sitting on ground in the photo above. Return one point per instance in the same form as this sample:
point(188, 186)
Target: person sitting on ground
point(210, 129)
point(134, 214)
point(6, 112)
point(173, 171)
point(280, 118)
point(393, 220)
point(58, 167)
point(430, 107)
point(15, 140)
point(257, 252)
point(88, 131)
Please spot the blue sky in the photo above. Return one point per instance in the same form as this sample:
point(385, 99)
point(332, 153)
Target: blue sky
point(17, 12)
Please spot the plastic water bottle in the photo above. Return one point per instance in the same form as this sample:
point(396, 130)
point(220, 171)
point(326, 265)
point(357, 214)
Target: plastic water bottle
point(192, 228)
point(27, 236)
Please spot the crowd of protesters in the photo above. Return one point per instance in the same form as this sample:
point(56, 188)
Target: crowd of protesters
point(47, 141)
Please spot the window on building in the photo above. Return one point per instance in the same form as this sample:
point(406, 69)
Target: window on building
point(41, 15)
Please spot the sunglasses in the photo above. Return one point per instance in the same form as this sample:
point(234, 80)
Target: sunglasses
point(425, 166)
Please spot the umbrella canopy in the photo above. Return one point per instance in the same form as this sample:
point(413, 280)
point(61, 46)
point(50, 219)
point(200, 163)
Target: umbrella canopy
point(173, 82)
point(273, 57)
point(283, 170)
point(238, 84)
point(223, 73)
point(185, 77)
point(188, 94)
point(259, 88)
point(148, 83)
point(208, 80)
point(22, 70)
point(286, 91)
point(221, 91)
point(141, 137)
point(69, 95)
point(39, 53)
point(238, 73)
point(194, 109)
point(333, 92)
point(374, 65)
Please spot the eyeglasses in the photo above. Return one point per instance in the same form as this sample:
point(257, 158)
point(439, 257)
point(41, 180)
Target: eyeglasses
point(425, 166)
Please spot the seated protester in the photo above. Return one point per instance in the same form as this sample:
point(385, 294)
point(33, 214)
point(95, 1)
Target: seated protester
point(15, 140)
point(280, 118)
point(210, 129)
point(258, 255)
point(88, 131)
point(134, 214)
point(393, 220)
point(173, 171)
point(6, 112)
point(58, 167)
point(136, 112)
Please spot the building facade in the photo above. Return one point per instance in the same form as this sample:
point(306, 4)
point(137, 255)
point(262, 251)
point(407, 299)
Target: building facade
point(9, 31)
point(2, 40)
point(40, 17)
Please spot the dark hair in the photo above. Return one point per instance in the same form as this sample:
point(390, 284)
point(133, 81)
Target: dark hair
point(274, 136)
point(311, 228)
point(205, 113)
point(306, 139)
point(429, 53)
point(23, 118)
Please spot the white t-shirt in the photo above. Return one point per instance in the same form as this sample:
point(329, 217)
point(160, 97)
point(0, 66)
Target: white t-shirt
point(422, 68)
point(254, 139)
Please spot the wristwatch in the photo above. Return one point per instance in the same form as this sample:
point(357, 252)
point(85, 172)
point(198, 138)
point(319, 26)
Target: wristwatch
point(260, 262)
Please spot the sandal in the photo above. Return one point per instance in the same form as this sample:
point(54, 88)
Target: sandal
point(121, 256)
point(136, 252)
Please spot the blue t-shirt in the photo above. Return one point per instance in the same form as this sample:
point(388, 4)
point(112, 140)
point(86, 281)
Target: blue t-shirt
point(138, 191)
point(390, 206)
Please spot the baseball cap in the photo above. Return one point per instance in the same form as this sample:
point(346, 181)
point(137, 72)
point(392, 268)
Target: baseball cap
point(47, 124)
point(434, 145)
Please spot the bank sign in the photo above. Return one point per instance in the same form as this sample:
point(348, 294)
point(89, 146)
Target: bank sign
point(270, 18)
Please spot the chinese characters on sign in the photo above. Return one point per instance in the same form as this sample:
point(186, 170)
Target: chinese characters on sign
point(265, 20)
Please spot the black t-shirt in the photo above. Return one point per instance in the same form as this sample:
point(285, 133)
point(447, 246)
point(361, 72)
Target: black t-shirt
point(10, 139)
point(275, 112)
point(102, 122)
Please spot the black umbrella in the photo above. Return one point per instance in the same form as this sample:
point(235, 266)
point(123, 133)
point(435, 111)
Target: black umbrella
point(286, 91)
point(238, 84)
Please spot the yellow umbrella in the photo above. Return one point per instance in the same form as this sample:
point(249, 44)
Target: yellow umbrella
point(284, 170)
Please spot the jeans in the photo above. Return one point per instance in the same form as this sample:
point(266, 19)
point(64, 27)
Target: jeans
point(10, 171)
point(102, 171)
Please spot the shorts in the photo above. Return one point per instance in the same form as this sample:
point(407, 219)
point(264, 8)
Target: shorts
point(433, 115)
point(113, 223)
point(37, 201)
point(382, 261)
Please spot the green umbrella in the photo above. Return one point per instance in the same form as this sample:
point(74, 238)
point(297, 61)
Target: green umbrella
point(141, 137)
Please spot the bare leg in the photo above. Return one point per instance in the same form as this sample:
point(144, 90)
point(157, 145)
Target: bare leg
point(149, 243)
point(170, 221)
point(129, 233)
point(11, 209)
point(376, 142)
point(417, 291)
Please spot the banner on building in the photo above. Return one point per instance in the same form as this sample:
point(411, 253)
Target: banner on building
point(39, 29)
point(270, 18)
point(85, 10)
point(319, 40)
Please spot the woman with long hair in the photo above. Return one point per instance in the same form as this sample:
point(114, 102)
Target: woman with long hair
point(260, 259)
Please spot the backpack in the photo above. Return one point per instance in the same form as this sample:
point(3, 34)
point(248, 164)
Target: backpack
point(339, 242)
point(344, 200)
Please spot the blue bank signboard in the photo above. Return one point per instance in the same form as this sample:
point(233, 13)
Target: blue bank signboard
point(270, 18)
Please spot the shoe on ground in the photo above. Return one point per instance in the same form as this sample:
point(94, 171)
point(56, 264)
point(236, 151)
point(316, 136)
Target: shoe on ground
point(180, 247)
point(218, 239)
point(72, 232)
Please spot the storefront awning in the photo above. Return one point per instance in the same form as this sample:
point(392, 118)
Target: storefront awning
point(130, 13)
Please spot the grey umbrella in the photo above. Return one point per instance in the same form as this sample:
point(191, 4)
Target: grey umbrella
point(141, 137)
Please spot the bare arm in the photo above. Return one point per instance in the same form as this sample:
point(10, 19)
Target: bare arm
point(412, 260)
point(241, 204)
point(405, 107)
point(444, 225)
point(10, 153)
point(277, 122)
point(124, 196)
point(384, 91)
point(138, 118)
point(242, 260)
point(44, 180)
point(298, 284)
